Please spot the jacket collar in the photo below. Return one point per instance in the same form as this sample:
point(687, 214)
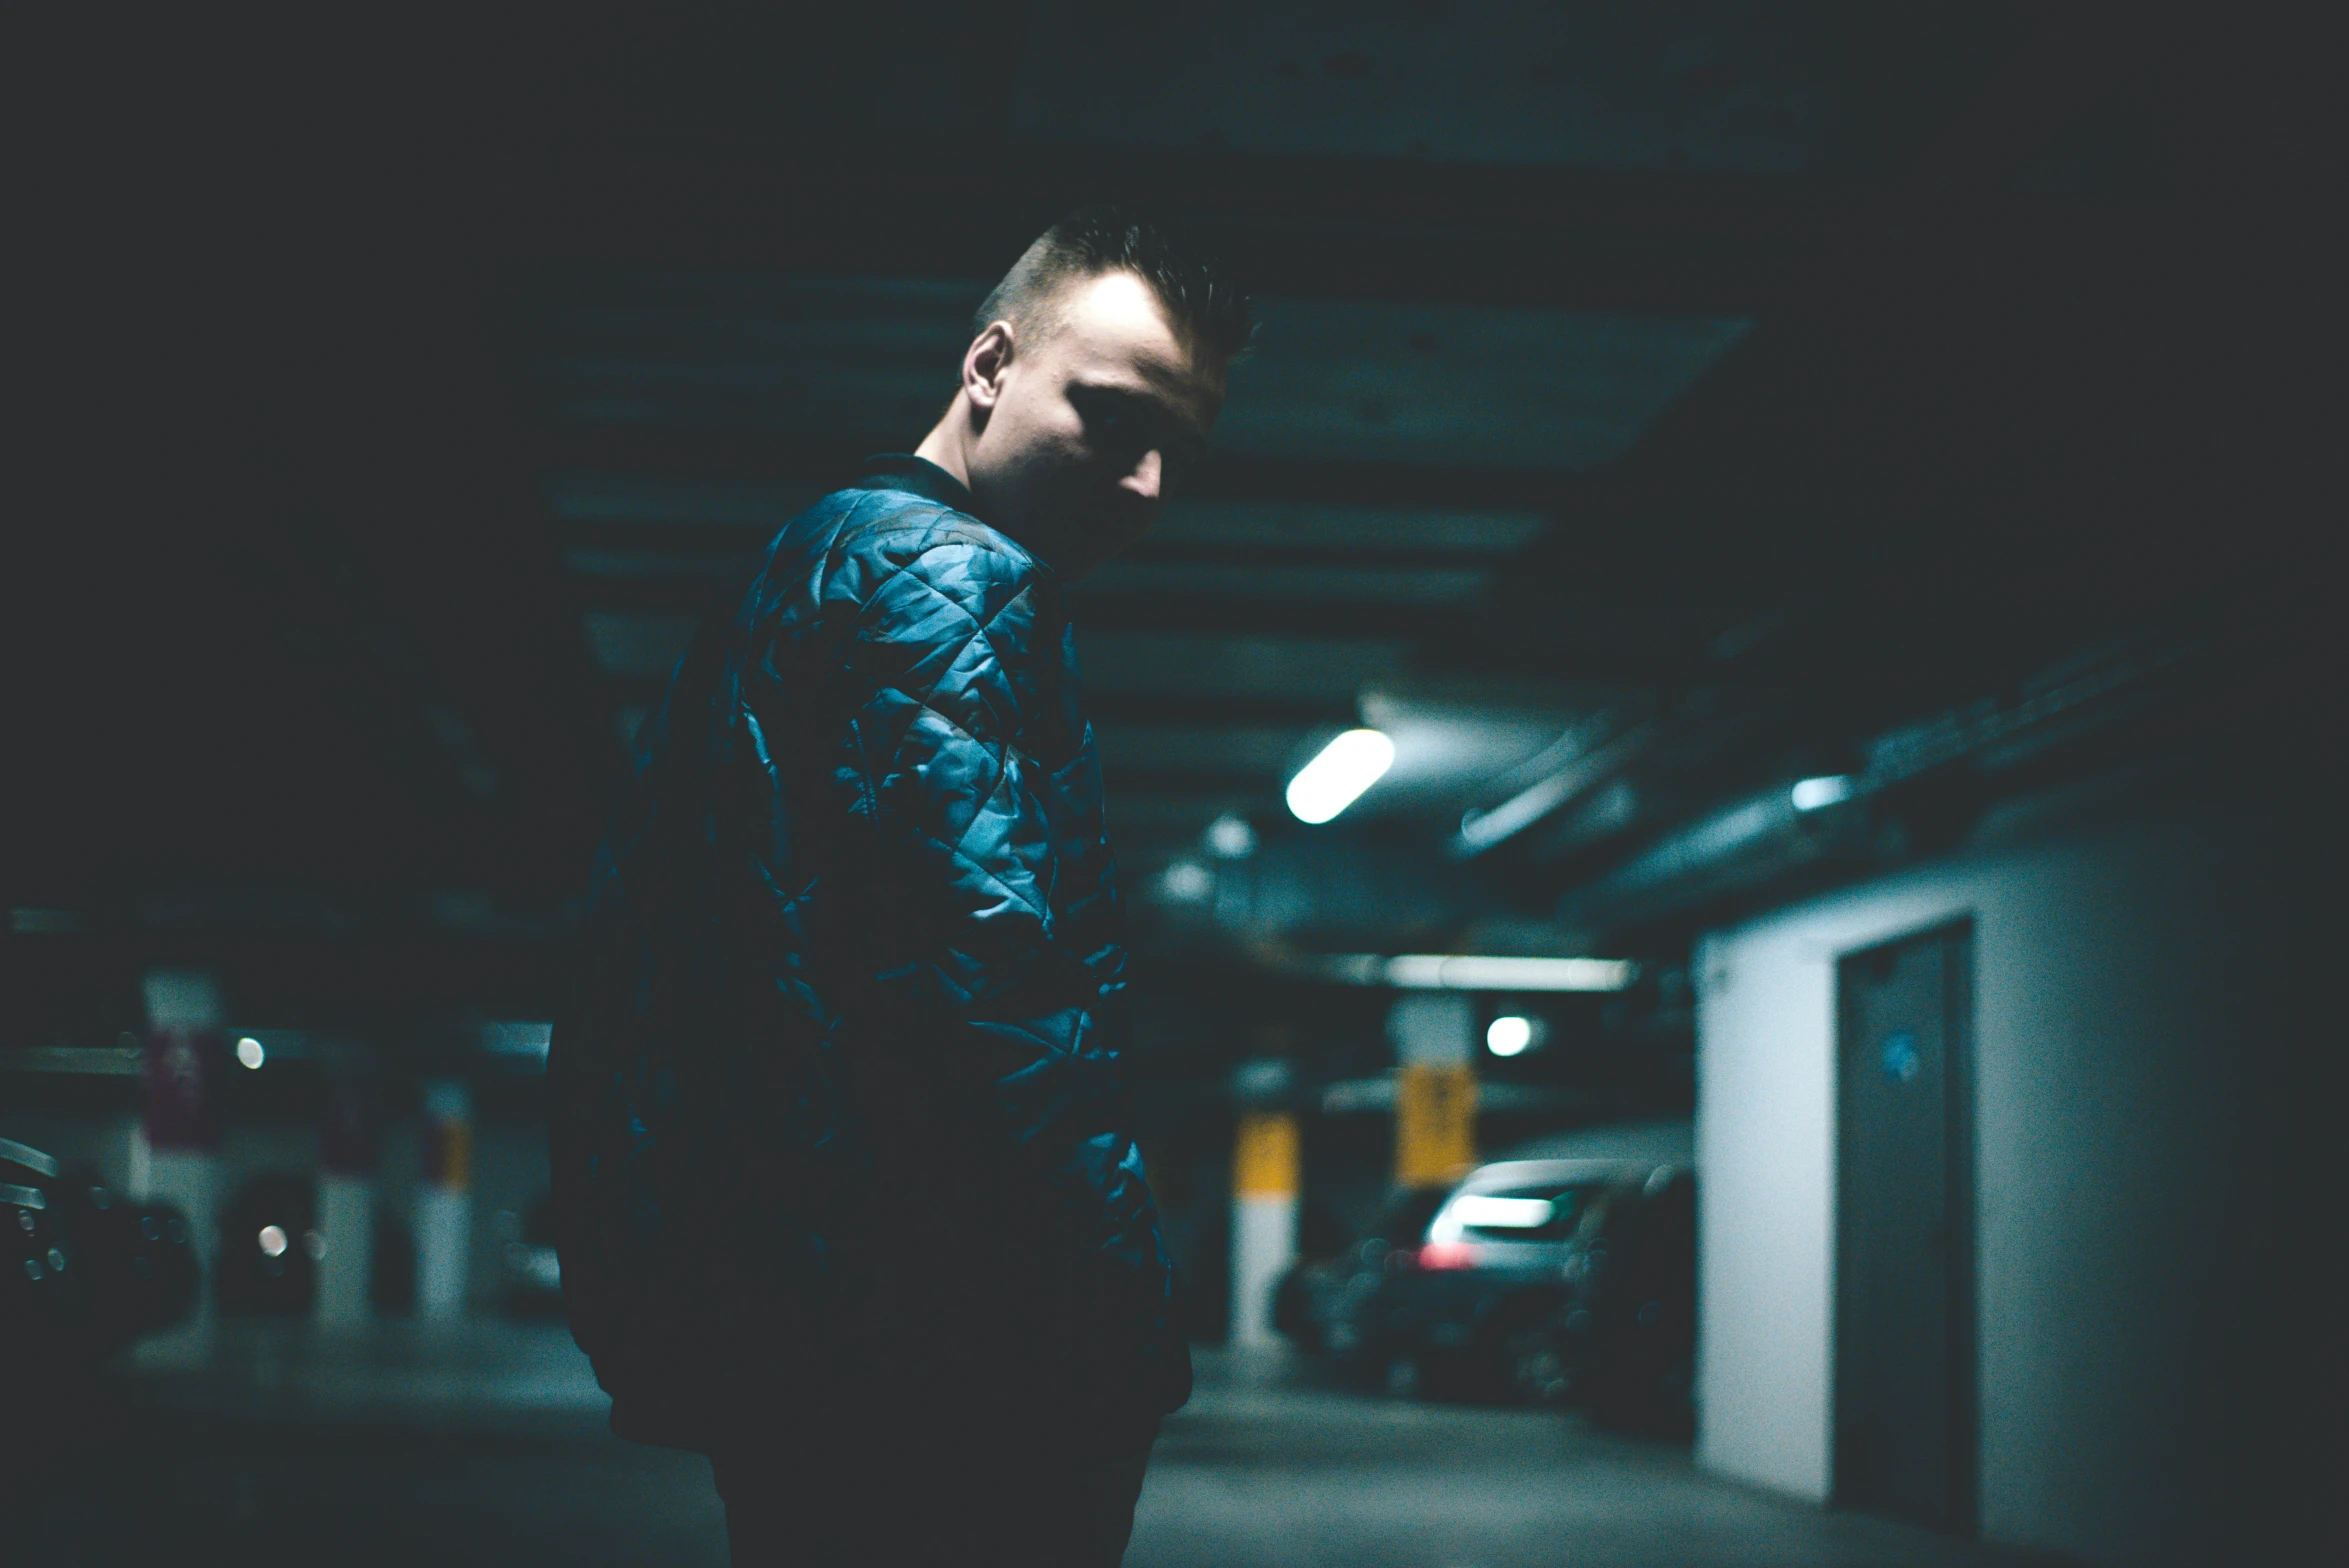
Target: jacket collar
point(917, 476)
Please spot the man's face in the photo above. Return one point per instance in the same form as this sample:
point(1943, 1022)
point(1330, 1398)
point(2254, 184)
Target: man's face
point(1086, 429)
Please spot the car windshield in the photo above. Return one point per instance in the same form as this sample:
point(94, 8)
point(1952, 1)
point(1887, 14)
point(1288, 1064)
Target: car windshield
point(1548, 1211)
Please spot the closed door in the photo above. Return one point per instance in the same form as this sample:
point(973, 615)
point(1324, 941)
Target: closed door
point(1904, 1350)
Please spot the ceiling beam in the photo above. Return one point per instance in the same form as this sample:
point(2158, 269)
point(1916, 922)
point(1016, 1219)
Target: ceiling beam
point(744, 457)
point(1325, 226)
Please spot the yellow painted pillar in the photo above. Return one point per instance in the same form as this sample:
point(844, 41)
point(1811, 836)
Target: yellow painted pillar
point(1435, 1087)
point(1265, 1179)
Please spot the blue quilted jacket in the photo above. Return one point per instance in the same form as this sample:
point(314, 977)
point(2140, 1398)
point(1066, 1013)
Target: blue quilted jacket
point(836, 1113)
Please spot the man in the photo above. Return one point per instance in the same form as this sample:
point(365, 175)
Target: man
point(846, 1190)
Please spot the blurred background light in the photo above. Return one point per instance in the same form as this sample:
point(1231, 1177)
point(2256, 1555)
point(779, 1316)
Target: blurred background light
point(273, 1240)
point(1508, 1035)
point(1811, 794)
point(1187, 882)
point(250, 1053)
point(1335, 779)
point(1230, 837)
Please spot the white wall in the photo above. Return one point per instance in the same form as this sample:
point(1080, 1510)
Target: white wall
point(2125, 1039)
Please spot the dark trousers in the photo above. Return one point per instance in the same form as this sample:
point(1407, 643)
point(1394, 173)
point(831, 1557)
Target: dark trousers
point(879, 1494)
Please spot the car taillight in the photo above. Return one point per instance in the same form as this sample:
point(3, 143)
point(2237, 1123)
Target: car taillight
point(1449, 1255)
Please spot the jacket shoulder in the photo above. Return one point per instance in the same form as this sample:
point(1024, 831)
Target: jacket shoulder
point(875, 536)
point(887, 590)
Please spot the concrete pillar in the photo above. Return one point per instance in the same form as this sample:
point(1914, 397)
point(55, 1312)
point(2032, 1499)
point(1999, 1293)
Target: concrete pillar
point(348, 1149)
point(444, 1206)
point(1434, 1035)
point(175, 1156)
point(1265, 1169)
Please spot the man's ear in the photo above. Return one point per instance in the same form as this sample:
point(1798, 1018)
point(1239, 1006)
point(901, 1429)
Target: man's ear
point(984, 364)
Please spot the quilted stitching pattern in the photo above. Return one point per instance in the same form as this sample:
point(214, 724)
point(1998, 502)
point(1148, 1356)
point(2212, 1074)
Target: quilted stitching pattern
point(855, 934)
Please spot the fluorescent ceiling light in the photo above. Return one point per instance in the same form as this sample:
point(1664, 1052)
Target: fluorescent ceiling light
point(1465, 972)
point(1811, 794)
point(1334, 780)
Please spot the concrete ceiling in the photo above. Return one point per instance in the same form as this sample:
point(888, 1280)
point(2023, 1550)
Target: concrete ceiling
point(872, 360)
point(868, 362)
point(1746, 88)
point(1690, 375)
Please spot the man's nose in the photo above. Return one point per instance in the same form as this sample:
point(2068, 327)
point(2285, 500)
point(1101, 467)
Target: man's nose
point(1147, 477)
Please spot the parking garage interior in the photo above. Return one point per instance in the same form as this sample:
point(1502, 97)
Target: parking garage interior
point(1751, 647)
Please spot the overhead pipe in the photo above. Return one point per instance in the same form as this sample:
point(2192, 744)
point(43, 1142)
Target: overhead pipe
point(1775, 830)
point(1573, 767)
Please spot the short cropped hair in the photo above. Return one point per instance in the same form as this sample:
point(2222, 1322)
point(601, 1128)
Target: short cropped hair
point(1206, 306)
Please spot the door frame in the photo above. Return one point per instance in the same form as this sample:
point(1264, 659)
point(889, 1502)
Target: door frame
point(1961, 1199)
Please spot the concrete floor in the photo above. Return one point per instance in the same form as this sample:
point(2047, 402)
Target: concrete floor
point(486, 1445)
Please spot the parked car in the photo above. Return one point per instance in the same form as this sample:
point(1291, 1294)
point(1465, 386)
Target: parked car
point(1630, 1325)
point(1479, 1308)
point(1563, 1272)
point(83, 1270)
point(1320, 1304)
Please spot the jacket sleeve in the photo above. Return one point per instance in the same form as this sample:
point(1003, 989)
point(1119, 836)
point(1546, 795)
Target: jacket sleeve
point(951, 705)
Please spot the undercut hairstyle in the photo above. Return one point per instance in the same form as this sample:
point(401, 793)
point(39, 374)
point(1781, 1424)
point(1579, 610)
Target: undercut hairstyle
point(1207, 309)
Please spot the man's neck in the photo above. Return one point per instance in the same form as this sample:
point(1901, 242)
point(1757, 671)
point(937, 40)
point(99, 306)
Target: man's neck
point(943, 445)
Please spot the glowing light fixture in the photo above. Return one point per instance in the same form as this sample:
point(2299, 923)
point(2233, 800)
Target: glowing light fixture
point(1508, 1035)
point(1479, 972)
point(1187, 882)
point(1334, 780)
point(1811, 794)
point(273, 1240)
point(250, 1053)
